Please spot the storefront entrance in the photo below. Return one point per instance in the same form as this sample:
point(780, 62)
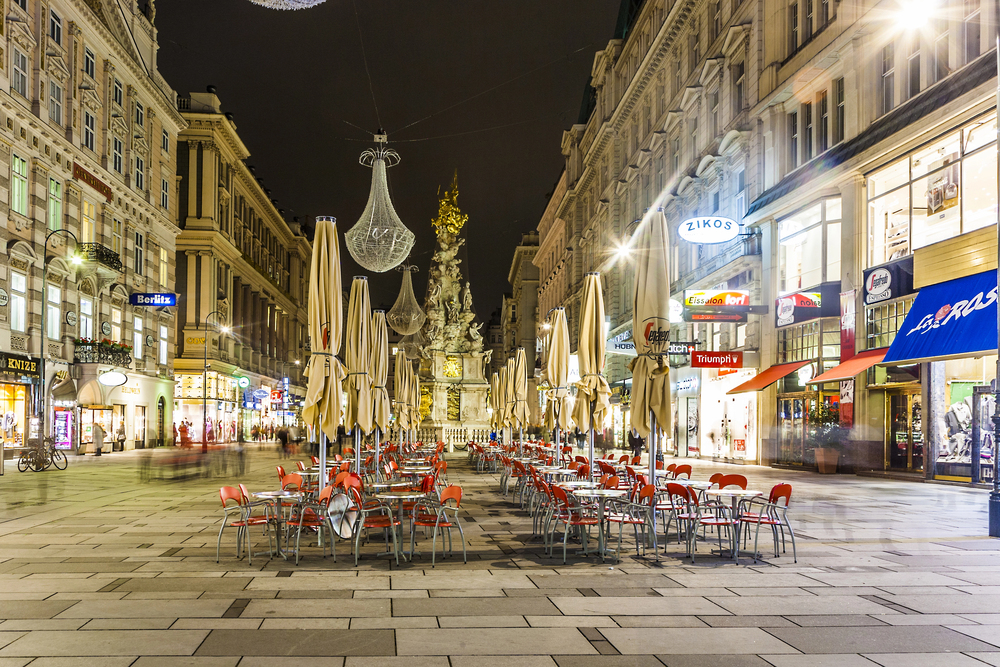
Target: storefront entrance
point(904, 438)
point(793, 426)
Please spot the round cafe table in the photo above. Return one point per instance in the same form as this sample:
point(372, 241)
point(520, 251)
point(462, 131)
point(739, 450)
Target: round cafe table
point(388, 486)
point(399, 497)
point(602, 495)
point(581, 484)
point(736, 496)
point(276, 498)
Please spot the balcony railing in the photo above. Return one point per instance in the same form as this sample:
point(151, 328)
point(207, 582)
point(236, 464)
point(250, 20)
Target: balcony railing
point(743, 246)
point(95, 353)
point(100, 253)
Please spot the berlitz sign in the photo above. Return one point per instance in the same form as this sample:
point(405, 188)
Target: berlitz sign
point(709, 229)
point(717, 360)
point(155, 300)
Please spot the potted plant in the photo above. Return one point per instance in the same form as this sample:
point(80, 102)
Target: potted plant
point(826, 436)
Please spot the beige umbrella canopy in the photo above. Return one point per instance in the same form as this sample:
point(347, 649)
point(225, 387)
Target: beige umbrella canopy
point(592, 398)
point(520, 388)
point(323, 393)
point(414, 399)
point(495, 401)
point(508, 392)
point(358, 358)
point(401, 392)
point(557, 412)
point(380, 372)
point(651, 328)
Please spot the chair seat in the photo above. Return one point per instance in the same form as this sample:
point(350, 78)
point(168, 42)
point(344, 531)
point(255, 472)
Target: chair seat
point(381, 522)
point(430, 523)
point(765, 520)
point(624, 518)
point(714, 521)
point(584, 521)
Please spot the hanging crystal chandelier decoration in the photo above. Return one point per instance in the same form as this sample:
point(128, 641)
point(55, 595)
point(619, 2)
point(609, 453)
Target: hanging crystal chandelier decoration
point(379, 241)
point(287, 4)
point(406, 316)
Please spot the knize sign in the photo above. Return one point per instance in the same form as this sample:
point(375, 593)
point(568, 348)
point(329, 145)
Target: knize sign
point(717, 360)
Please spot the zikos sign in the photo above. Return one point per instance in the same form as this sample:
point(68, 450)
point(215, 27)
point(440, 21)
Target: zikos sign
point(710, 229)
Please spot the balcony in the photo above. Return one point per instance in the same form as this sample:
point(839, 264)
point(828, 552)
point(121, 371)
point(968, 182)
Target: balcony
point(101, 353)
point(742, 246)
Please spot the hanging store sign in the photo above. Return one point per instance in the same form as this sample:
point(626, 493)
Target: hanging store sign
point(81, 174)
point(797, 307)
point(680, 348)
point(889, 281)
point(717, 359)
point(261, 393)
point(714, 298)
point(713, 315)
point(15, 364)
point(243, 382)
point(621, 344)
point(154, 300)
point(709, 229)
point(276, 396)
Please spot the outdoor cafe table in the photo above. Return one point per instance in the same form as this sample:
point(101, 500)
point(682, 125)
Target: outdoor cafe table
point(580, 484)
point(416, 470)
point(275, 498)
point(399, 497)
point(736, 496)
point(601, 495)
point(376, 486)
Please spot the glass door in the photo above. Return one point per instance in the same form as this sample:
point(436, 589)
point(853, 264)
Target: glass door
point(793, 421)
point(904, 431)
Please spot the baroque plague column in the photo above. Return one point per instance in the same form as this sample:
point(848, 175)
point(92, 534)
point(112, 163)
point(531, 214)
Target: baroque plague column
point(453, 386)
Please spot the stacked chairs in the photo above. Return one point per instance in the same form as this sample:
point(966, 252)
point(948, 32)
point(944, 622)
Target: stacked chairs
point(435, 515)
point(773, 513)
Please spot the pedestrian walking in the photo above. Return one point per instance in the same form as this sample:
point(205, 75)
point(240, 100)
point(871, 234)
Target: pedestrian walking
point(635, 443)
point(283, 442)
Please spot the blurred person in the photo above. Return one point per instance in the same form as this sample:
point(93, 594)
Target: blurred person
point(120, 437)
point(283, 443)
point(98, 439)
point(635, 443)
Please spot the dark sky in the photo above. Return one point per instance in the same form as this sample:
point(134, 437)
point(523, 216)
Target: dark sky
point(294, 79)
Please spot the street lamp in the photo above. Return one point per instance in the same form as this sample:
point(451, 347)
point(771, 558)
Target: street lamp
point(204, 384)
point(75, 259)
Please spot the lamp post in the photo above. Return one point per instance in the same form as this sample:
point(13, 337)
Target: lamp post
point(204, 385)
point(42, 407)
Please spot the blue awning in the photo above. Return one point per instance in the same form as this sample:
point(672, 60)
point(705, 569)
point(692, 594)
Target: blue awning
point(949, 320)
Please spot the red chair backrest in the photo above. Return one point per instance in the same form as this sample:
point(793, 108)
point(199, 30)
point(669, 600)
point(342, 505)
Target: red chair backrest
point(647, 493)
point(582, 459)
point(682, 470)
point(325, 495)
point(681, 493)
point(659, 465)
point(573, 465)
point(641, 479)
point(244, 493)
point(452, 492)
point(341, 476)
point(281, 472)
point(291, 479)
point(559, 495)
point(228, 493)
point(611, 482)
point(623, 459)
point(671, 467)
point(583, 472)
point(714, 479)
point(301, 465)
point(733, 480)
point(603, 480)
point(315, 460)
point(338, 458)
point(636, 460)
point(780, 491)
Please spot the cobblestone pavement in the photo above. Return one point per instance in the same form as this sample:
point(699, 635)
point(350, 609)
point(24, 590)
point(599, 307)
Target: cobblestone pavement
point(98, 569)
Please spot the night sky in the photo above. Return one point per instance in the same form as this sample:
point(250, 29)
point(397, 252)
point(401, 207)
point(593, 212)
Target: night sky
point(295, 79)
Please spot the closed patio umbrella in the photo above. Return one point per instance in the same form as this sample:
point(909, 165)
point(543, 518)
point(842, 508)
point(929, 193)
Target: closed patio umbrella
point(380, 375)
point(592, 399)
point(520, 392)
point(323, 392)
point(358, 358)
point(495, 401)
point(414, 402)
point(651, 409)
point(557, 411)
point(509, 398)
point(400, 400)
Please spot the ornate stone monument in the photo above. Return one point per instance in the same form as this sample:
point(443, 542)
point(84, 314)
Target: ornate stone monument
point(452, 365)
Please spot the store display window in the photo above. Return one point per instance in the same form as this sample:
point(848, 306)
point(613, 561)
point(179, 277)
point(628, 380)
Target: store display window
point(943, 189)
point(13, 412)
point(729, 422)
point(967, 432)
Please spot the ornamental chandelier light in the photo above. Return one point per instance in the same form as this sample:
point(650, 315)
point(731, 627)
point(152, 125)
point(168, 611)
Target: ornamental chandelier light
point(287, 4)
point(379, 241)
point(406, 316)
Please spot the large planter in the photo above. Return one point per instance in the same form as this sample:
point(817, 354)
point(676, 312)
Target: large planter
point(827, 459)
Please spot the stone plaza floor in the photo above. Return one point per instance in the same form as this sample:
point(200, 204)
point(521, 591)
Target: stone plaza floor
point(98, 569)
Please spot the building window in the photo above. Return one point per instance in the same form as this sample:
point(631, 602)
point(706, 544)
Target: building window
point(715, 14)
point(140, 173)
point(940, 68)
point(676, 156)
point(793, 140)
point(53, 311)
point(118, 93)
point(20, 79)
point(810, 246)
point(793, 26)
point(695, 45)
point(164, 193)
point(55, 102)
point(882, 322)
point(887, 80)
point(88, 216)
point(18, 302)
point(140, 116)
point(807, 27)
point(116, 236)
point(89, 63)
point(89, 123)
point(19, 185)
point(116, 324)
point(164, 267)
point(913, 68)
point(55, 204)
point(140, 248)
point(86, 318)
point(23, 4)
point(741, 193)
point(973, 33)
point(807, 131)
point(739, 85)
point(165, 143)
point(839, 111)
point(55, 27)
point(693, 131)
point(941, 190)
point(714, 107)
point(117, 150)
point(137, 337)
point(163, 345)
point(824, 13)
point(823, 120)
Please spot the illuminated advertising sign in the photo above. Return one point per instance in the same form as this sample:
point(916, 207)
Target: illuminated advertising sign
point(797, 307)
point(709, 229)
point(716, 359)
point(714, 298)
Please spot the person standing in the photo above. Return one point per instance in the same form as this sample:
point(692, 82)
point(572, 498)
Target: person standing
point(98, 439)
point(120, 437)
point(635, 443)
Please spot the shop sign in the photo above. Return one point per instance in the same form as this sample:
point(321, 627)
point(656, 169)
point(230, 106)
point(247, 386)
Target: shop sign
point(848, 323)
point(15, 364)
point(621, 344)
point(81, 174)
point(715, 298)
point(678, 348)
point(243, 382)
point(717, 359)
point(713, 315)
point(276, 396)
point(154, 300)
point(890, 281)
point(192, 340)
point(797, 307)
point(261, 393)
point(3, 297)
point(687, 384)
point(709, 229)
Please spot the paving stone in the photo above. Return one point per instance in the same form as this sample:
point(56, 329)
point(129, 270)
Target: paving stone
point(695, 641)
point(747, 622)
point(272, 661)
point(800, 605)
point(395, 661)
point(923, 660)
point(482, 622)
point(607, 661)
point(474, 607)
point(131, 624)
point(198, 584)
point(630, 607)
point(887, 639)
point(709, 660)
point(833, 660)
point(25, 609)
point(83, 662)
point(142, 609)
point(148, 661)
point(491, 661)
point(106, 643)
point(493, 641)
point(298, 643)
point(304, 623)
point(570, 622)
point(317, 608)
point(659, 621)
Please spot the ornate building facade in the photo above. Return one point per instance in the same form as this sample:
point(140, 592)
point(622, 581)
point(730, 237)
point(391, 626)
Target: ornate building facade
point(243, 280)
point(88, 146)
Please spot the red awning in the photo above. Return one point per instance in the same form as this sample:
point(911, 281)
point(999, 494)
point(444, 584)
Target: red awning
point(768, 377)
point(850, 368)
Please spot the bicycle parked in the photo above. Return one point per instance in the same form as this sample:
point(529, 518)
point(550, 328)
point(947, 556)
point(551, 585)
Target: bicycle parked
point(39, 456)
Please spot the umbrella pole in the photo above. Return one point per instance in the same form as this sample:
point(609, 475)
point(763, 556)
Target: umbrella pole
point(590, 439)
point(558, 447)
point(357, 449)
point(520, 442)
point(653, 442)
point(378, 448)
